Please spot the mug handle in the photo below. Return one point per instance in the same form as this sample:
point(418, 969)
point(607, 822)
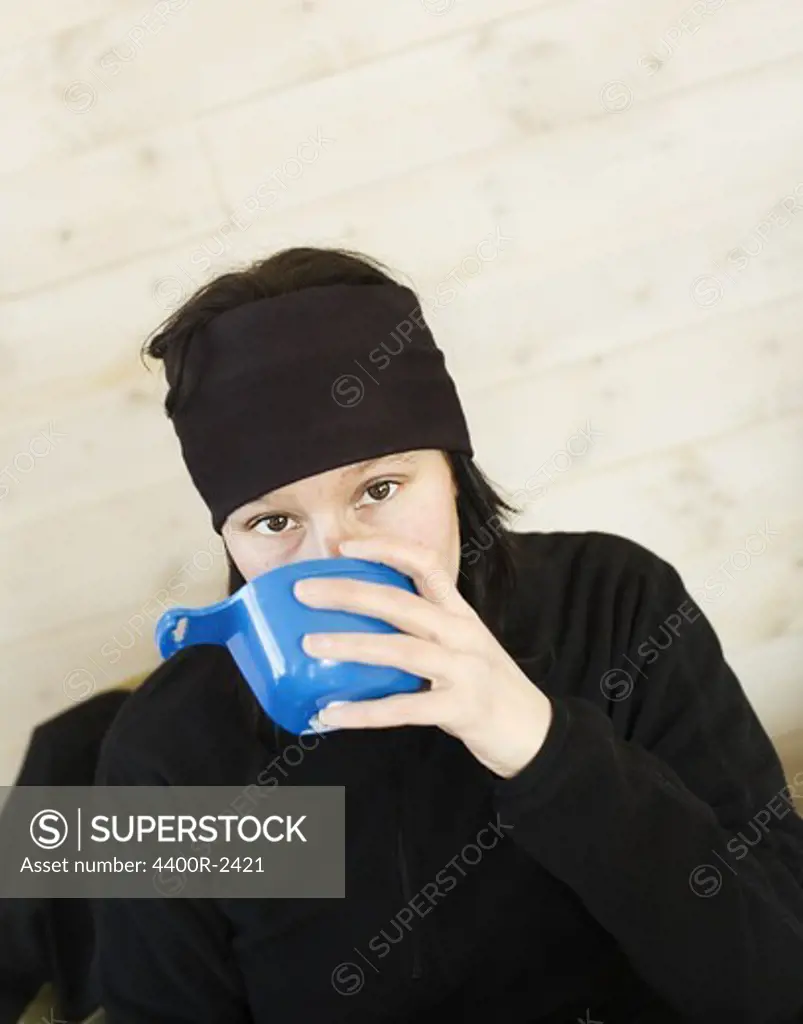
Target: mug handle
point(197, 625)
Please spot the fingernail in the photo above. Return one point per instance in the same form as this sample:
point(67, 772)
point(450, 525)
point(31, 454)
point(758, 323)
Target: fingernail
point(323, 715)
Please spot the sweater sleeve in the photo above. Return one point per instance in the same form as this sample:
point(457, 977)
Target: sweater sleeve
point(658, 797)
point(165, 960)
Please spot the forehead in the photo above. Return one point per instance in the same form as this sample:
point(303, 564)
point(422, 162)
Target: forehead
point(339, 475)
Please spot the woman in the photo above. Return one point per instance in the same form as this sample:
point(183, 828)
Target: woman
point(561, 826)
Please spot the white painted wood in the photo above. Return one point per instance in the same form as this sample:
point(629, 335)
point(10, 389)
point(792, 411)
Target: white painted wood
point(25, 23)
point(693, 504)
point(771, 676)
point(118, 75)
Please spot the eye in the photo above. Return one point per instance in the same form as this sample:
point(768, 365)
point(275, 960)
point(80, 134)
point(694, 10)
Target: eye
point(380, 490)
point(275, 524)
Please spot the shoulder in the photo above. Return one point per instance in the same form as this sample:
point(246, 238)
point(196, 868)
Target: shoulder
point(593, 551)
point(590, 561)
point(587, 590)
point(178, 724)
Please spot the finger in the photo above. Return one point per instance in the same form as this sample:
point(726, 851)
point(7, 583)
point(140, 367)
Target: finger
point(430, 707)
point(431, 577)
point(410, 613)
point(397, 650)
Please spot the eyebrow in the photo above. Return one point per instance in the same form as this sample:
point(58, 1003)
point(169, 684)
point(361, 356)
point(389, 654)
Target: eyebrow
point(358, 467)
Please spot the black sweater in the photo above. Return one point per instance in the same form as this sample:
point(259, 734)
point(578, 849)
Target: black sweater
point(52, 940)
point(645, 865)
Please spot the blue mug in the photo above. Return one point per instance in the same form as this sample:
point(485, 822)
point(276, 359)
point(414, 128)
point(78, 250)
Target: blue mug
point(262, 624)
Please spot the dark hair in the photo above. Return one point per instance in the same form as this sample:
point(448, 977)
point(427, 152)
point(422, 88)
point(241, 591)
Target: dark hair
point(488, 546)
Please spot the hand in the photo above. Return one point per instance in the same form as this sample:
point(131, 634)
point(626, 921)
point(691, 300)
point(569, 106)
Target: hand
point(477, 691)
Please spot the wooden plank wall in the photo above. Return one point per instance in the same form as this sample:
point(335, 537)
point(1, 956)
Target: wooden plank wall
point(638, 169)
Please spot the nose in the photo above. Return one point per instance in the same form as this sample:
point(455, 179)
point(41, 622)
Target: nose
point(327, 548)
point(324, 541)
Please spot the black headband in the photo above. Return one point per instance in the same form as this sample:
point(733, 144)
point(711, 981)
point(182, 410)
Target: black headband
point(285, 387)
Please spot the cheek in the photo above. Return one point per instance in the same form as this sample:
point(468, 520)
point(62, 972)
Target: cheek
point(246, 555)
point(431, 521)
